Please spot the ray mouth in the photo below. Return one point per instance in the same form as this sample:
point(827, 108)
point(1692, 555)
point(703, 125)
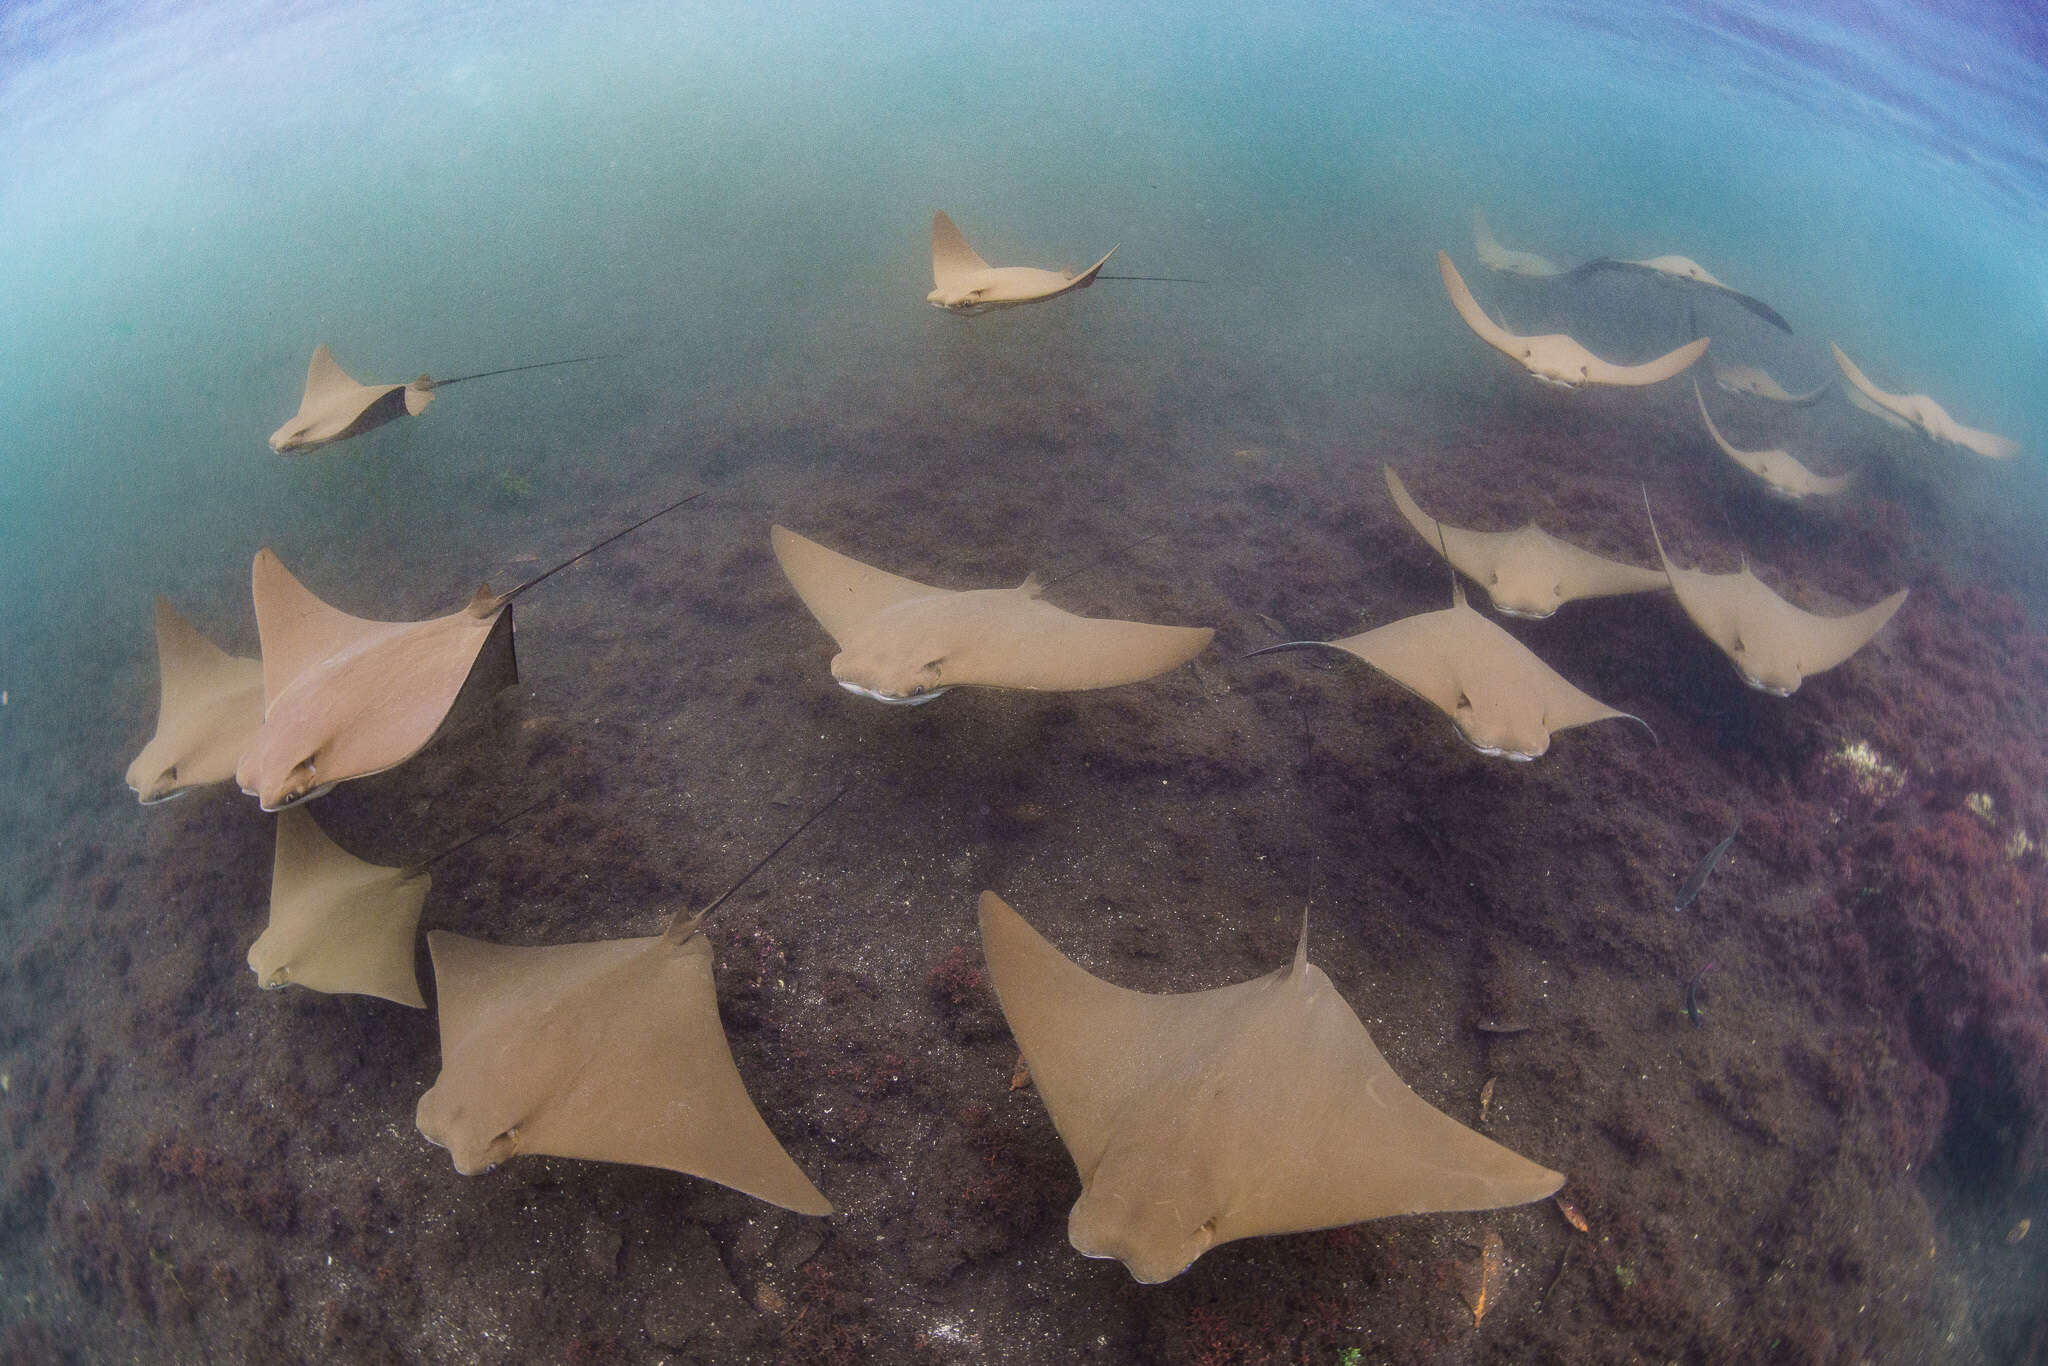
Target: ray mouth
point(916, 701)
point(1770, 688)
point(1497, 751)
point(300, 800)
point(1554, 383)
point(161, 798)
point(1523, 613)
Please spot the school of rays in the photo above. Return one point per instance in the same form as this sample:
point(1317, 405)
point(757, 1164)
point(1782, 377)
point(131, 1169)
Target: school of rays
point(1229, 1110)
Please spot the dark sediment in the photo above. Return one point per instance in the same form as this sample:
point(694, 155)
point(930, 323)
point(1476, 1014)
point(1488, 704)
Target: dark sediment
point(1822, 1170)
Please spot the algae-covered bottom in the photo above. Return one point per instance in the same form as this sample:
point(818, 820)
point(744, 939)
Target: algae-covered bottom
point(1822, 1168)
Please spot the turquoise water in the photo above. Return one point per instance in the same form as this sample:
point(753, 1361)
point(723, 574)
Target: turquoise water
point(192, 196)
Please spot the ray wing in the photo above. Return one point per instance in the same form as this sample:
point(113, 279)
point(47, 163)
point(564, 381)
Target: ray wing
point(952, 258)
point(1358, 1143)
point(1649, 372)
point(841, 592)
point(298, 631)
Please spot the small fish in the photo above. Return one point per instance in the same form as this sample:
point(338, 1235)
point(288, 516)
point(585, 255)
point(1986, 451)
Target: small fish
point(1692, 997)
point(1494, 1027)
point(1021, 1077)
point(1485, 1099)
point(2018, 1232)
point(1493, 1256)
point(1698, 879)
point(1571, 1213)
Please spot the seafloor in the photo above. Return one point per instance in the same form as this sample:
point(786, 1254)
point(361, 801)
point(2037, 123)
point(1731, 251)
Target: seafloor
point(1824, 1169)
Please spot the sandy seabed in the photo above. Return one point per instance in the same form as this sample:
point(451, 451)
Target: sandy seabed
point(1824, 1169)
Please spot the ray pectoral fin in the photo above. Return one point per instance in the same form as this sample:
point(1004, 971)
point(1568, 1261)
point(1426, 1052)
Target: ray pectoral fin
point(841, 592)
point(1650, 372)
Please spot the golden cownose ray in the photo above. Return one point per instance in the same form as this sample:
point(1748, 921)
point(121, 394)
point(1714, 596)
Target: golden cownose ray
point(964, 283)
point(208, 705)
point(338, 924)
point(346, 697)
point(1918, 410)
point(1505, 702)
point(1555, 358)
point(1685, 270)
point(1527, 572)
point(610, 1051)
point(335, 407)
point(1260, 1108)
point(1494, 256)
point(1782, 472)
point(1773, 645)
point(905, 642)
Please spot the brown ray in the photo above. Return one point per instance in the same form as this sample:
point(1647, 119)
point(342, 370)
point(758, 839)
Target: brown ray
point(609, 1051)
point(1554, 357)
point(1236, 1112)
point(964, 283)
point(1782, 472)
point(335, 407)
point(1494, 256)
point(346, 697)
point(1527, 572)
point(208, 705)
point(1918, 410)
point(901, 641)
point(337, 923)
point(1504, 701)
point(1773, 645)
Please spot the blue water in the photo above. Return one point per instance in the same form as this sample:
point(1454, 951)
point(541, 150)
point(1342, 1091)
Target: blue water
point(192, 195)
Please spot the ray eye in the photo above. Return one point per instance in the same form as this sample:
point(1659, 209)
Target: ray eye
point(171, 774)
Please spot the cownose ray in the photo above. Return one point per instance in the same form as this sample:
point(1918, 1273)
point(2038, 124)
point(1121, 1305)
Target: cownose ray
point(1756, 383)
point(1773, 645)
point(905, 642)
point(964, 283)
point(1922, 412)
point(1527, 572)
point(1505, 702)
point(1684, 270)
point(335, 407)
point(1553, 357)
point(1509, 261)
point(606, 1051)
point(338, 924)
point(1259, 1108)
point(208, 705)
point(1782, 472)
point(343, 925)
point(346, 697)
